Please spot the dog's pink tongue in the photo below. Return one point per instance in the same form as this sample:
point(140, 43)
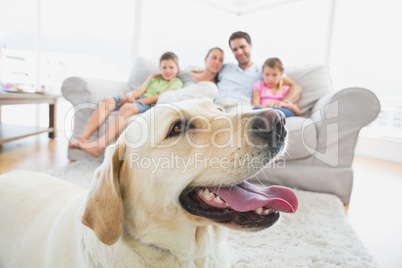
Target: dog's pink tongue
point(247, 197)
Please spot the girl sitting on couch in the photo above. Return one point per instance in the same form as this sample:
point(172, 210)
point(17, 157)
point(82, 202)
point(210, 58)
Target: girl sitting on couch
point(269, 92)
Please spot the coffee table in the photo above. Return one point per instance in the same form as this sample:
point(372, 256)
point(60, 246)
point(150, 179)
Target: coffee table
point(13, 132)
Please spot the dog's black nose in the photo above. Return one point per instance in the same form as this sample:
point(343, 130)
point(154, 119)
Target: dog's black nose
point(268, 122)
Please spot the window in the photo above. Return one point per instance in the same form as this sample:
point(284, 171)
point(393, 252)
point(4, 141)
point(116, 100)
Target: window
point(367, 53)
point(90, 38)
point(87, 38)
point(18, 43)
point(84, 38)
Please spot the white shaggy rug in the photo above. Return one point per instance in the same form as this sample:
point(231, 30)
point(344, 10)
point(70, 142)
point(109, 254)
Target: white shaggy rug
point(317, 235)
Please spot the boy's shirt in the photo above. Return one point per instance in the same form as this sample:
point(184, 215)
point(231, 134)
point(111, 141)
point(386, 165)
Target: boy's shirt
point(157, 85)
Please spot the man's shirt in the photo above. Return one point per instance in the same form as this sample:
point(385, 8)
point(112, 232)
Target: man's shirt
point(236, 83)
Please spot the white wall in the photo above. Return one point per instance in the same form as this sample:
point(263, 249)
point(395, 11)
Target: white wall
point(187, 28)
point(294, 32)
point(374, 147)
point(195, 27)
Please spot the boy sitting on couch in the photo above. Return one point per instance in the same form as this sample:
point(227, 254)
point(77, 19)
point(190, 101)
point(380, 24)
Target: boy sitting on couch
point(134, 102)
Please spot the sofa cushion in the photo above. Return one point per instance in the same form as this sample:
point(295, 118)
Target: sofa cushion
point(203, 89)
point(80, 90)
point(315, 81)
point(101, 89)
point(302, 137)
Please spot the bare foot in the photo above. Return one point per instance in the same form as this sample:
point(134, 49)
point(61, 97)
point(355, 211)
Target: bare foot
point(96, 151)
point(91, 147)
point(73, 145)
point(86, 142)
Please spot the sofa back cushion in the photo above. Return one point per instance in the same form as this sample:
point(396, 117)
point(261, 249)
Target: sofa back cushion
point(142, 68)
point(315, 81)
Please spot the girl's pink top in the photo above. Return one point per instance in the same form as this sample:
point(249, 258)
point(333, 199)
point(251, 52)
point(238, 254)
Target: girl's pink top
point(267, 95)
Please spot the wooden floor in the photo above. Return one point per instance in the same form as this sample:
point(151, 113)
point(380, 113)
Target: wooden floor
point(35, 153)
point(374, 211)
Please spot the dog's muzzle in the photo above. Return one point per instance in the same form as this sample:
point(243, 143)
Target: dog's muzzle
point(268, 123)
point(244, 205)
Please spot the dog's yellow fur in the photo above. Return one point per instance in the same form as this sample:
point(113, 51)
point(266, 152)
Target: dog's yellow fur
point(130, 217)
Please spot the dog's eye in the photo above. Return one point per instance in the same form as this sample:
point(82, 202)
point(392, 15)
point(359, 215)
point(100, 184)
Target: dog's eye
point(177, 129)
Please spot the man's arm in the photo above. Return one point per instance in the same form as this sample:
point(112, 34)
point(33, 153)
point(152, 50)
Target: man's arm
point(294, 92)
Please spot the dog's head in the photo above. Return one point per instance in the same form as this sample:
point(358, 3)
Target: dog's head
point(187, 164)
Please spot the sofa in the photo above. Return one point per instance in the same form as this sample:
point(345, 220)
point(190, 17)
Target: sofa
point(322, 138)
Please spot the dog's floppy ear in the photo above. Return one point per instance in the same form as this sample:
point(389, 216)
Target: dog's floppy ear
point(104, 208)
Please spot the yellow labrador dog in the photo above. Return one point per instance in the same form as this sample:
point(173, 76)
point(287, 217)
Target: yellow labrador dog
point(162, 197)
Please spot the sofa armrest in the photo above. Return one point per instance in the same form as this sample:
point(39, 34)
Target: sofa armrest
point(80, 90)
point(84, 94)
point(339, 116)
